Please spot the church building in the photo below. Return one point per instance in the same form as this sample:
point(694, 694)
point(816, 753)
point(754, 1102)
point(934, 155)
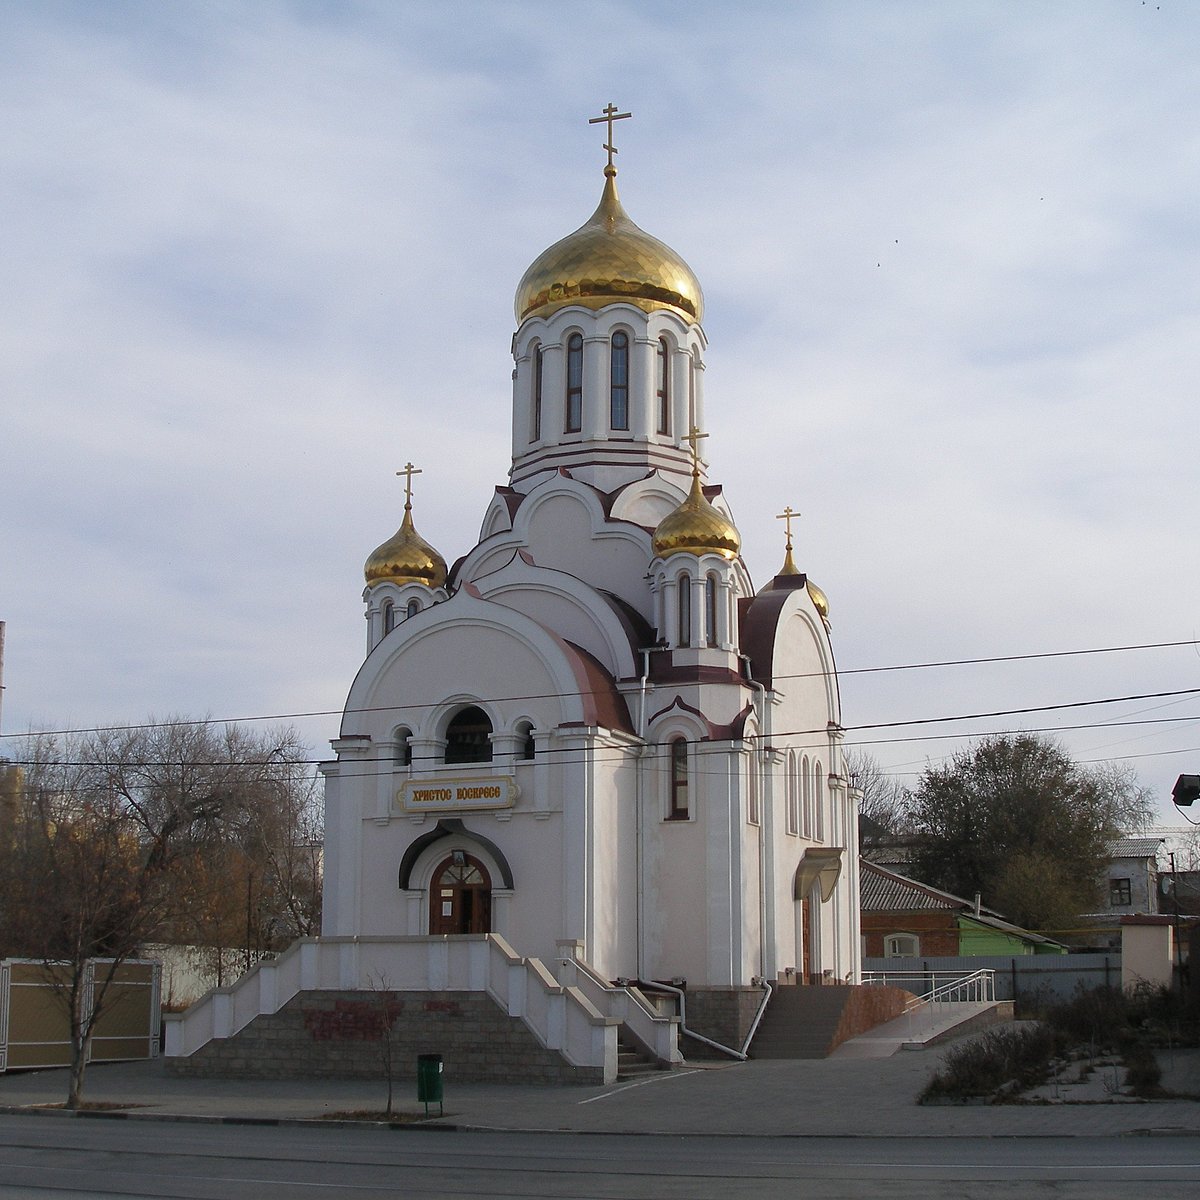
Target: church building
point(591, 734)
point(589, 788)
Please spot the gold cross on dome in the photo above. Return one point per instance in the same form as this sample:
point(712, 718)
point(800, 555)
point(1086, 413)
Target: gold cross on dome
point(787, 516)
point(693, 439)
point(408, 472)
point(610, 115)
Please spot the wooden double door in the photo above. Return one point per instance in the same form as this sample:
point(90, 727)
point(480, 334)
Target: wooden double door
point(460, 896)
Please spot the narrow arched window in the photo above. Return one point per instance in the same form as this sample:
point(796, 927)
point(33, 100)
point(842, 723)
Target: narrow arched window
point(663, 391)
point(691, 390)
point(389, 617)
point(710, 609)
point(528, 746)
point(679, 781)
point(402, 756)
point(536, 431)
point(469, 737)
point(573, 418)
point(793, 797)
point(806, 798)
point(685, 610)
point(414, 607)
point(819, 802)
point(618, 407)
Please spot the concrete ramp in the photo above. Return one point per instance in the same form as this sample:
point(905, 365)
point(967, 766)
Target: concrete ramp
point(926, 1026)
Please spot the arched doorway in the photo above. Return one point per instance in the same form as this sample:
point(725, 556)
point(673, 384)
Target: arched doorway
point(460, 896)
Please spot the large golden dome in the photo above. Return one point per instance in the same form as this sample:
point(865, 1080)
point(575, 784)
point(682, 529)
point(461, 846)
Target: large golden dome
point(609, 259)
point(406, 557)
point(696, 527)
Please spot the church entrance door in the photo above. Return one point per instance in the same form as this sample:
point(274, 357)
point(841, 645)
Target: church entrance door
point(460, 896)
point(805, 942)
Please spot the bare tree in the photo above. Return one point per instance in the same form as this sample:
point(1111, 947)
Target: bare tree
point(884, 808)
point(101, 855)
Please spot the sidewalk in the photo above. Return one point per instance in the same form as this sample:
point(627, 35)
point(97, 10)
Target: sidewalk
point(836, 1097)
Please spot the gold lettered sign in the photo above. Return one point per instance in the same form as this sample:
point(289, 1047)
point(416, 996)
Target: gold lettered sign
point(446, 794)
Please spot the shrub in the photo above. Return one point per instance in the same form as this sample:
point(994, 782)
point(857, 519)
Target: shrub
point(1012, 1057)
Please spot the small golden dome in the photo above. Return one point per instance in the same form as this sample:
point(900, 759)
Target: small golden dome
point(819, 599)
point(607, 260)
point(696, 527)
point(406, 557)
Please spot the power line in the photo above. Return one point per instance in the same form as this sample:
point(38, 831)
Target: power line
point(516, 698)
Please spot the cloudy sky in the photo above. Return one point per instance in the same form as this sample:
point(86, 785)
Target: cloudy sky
point(259, 254)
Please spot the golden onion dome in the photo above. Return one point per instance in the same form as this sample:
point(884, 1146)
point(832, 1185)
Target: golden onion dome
point(406, 557)
point(607, 260)
point(696, 527)
point(819, 599)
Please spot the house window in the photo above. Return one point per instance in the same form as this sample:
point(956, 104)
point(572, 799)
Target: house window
point(710, 610)
point(1120, 893)
point(685, 610)
point(468, 737)
point(537, 395)
point(663, 393)
point(619, 381)
point(573, 421)
point(901, 945)
point(679, 781)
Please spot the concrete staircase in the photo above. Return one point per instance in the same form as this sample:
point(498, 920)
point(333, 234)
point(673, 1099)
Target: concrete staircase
point(811, 1022)
point(632, 1061)
point(800, 1022)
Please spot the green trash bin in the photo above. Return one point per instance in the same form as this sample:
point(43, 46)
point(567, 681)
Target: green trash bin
point(429, 1079)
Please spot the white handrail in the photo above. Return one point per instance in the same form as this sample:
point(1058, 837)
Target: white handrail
point(944, 987)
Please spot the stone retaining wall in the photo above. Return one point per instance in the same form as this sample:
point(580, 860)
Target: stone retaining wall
point(341, 1034)
point(723, 1014)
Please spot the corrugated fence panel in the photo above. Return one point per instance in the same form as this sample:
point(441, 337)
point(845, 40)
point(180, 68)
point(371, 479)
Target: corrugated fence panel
point(1024, 977)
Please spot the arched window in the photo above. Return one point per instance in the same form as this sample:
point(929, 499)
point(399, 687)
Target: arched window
point(663, 392)
point(618, 408)
point(679, 781)
point(414, 607)
point(573, 418)
point(793, 797)
point(710, 610)
point(536, 431)
point(528, 746)
point(691, 389)
point(818, 802)
point(685, 610)
point(753, 807)
point(389, 617)
point(468, 737)
point(402, 756)
point(806, 827)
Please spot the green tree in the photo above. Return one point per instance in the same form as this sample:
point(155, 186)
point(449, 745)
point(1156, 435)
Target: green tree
point(1017, 820)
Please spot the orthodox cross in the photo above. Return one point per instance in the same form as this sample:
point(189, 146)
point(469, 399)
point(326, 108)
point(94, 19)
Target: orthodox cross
point(787, 516)
point(408, 472)
point(693, 439)
point(789, 563)
point(610, 115)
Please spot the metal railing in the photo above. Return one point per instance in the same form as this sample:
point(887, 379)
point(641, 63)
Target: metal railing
point(939, 987)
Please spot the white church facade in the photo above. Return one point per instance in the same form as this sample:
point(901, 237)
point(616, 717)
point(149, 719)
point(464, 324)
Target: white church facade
point(592, 729)
point(591, 735)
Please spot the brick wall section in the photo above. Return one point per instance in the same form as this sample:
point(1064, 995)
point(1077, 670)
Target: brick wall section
point(724, 1014)
point(340, 1034)
point(867, 1007)
point(938, 931)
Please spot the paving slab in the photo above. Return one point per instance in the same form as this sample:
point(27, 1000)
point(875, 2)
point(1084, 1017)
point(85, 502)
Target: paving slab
point(839, 1097)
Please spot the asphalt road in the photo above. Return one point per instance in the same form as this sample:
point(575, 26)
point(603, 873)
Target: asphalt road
point(49, 1157)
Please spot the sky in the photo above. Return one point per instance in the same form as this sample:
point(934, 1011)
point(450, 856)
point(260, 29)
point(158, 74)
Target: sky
point(259, 255)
